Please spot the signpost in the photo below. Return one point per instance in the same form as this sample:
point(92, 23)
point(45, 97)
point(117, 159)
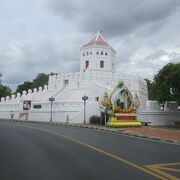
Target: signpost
point(51, 99)
point(84, 98)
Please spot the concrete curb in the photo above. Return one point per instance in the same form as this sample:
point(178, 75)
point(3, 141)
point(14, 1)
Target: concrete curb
point(134, 134)
point(106, 129)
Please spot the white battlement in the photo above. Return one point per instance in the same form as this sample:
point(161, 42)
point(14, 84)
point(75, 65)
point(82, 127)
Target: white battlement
point(26, 95)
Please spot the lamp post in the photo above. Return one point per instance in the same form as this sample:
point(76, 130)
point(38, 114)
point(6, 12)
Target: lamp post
point(51, 99)
point(84, 98)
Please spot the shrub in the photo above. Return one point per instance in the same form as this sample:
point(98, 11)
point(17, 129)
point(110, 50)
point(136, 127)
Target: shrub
point(95, 120)
point(99, 120)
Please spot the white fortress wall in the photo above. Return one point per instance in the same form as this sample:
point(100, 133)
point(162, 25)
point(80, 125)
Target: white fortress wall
point(134, 84)
point(79, 84)
point(97, 75)
point(156, 116)
point(92, 108)
point(60, 111)
point(5, 109)
point(14, 103)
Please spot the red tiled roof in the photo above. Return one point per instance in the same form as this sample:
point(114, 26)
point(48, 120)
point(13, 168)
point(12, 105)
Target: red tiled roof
point(97, 39)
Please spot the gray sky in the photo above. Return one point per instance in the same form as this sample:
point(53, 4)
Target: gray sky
point(46, 35)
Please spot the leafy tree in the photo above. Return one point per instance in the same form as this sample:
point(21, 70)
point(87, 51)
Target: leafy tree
point(40, 80)
point(151, 90)
point(24, 87)
point(166, 85)
point(4, 91)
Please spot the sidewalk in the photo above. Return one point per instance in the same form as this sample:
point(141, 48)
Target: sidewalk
point(162, 134)
point(156, 133)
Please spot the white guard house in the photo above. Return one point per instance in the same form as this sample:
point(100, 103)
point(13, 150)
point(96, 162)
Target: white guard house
point(97, 75)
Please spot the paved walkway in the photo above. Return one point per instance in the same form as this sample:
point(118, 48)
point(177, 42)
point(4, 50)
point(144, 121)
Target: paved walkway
point(163, 133)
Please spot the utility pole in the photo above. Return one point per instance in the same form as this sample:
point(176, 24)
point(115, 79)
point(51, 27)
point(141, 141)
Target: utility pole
point(84, 98)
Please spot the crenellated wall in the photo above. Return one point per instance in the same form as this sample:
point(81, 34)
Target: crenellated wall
point(83, 79)
point(36, 95)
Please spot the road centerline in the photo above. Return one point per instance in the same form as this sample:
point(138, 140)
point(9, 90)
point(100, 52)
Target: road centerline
point(148, 171)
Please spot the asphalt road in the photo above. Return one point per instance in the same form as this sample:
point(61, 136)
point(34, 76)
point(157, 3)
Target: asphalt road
point(31, 151)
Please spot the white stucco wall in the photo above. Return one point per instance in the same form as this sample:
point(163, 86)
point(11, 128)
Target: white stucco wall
point(157, 117)
point(93, 82)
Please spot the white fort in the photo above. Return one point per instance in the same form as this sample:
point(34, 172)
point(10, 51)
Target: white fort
point(97, 75)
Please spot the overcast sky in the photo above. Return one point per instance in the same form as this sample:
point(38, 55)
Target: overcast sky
point(46, 35)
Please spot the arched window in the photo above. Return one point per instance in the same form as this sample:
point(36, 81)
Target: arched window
point(87, 53)
point(101, 53)
point(83, 54)
point(106, 54)
point(97, 53)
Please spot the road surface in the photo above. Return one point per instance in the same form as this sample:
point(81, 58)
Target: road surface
point(31, 151)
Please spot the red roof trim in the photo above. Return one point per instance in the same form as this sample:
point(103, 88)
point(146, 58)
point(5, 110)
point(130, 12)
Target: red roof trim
point(97, 40)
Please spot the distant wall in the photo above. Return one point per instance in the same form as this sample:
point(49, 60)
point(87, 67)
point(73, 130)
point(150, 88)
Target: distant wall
point(156, 115)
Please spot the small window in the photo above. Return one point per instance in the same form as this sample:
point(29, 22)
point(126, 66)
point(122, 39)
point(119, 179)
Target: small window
point(101, 64)
point(106, 54)
point(90, 53)
point(37, 106)
point(86, 64)
point(83, 54)
point(101, 53)
point(87, 53)
point(97, 53)
point(66, 81)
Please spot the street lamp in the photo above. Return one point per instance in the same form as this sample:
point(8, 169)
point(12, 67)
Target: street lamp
point(84, 98)
point(51, 99)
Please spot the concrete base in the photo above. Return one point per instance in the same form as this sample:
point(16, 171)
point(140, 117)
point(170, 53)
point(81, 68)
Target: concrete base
point(115, 122)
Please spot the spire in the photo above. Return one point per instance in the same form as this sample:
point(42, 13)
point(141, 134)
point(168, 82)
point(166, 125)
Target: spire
point(97, 40)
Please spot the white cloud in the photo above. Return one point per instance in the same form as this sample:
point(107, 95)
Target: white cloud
point(140, 55)
point(46, 35)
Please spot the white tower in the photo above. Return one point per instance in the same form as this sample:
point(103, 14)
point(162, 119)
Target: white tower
point(97, 55)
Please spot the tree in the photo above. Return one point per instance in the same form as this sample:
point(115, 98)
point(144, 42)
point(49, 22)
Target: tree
point(151, 91)
point(4, 91)
point(166, 85)
point(24, 87)
point(40, 80)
